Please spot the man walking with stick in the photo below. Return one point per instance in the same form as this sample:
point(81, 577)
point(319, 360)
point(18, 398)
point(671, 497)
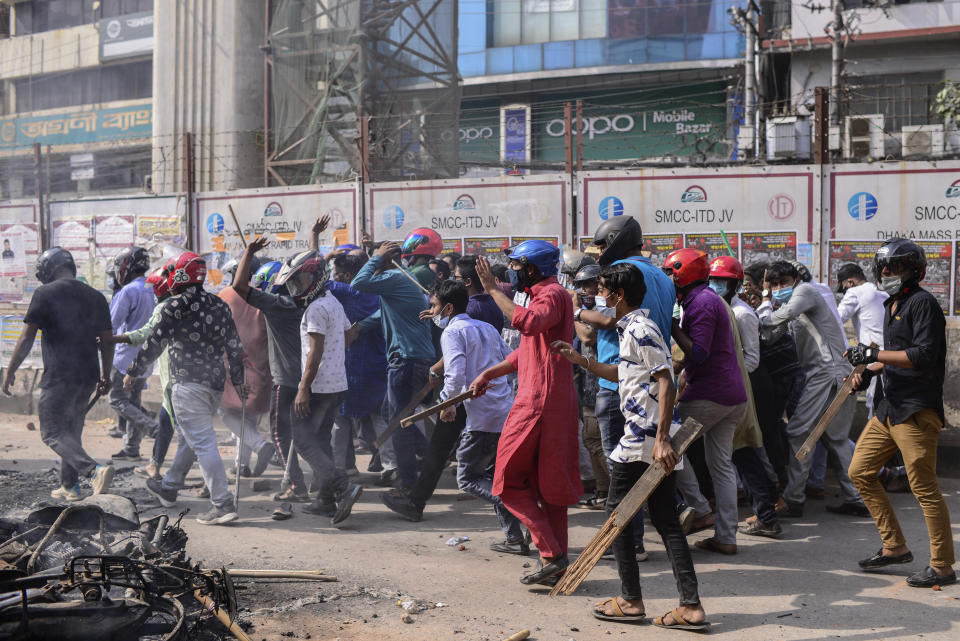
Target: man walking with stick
point(198, 328)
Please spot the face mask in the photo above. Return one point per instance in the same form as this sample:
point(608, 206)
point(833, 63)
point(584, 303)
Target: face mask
point(112, 284)
point(612, 304)
point(782, 295)
point(600, 301)
point(891, 284)
point(441, 321)
point(719, 286)
point(589, 302)
point(518, 279)
point(405, 262)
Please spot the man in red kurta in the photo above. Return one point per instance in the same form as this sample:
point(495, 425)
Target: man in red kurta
point(537, 472)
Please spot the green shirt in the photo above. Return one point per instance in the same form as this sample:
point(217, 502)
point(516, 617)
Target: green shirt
point(139, 337)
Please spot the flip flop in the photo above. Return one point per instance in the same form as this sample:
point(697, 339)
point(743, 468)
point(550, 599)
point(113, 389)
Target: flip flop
point(283, 512)
point(618, 614)
point(679, 622)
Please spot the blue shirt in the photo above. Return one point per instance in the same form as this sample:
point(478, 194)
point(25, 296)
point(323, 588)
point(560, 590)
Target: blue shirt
point(483, 308)
point(366, 359)
point(469, 347)
point(400, 305)
point(130, 309)
point(657, 305)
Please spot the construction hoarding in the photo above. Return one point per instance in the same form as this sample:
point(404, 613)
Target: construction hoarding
point(285, 215)
point(494, 209)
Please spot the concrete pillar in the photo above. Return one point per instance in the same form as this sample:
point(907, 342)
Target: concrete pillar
point(208, 80)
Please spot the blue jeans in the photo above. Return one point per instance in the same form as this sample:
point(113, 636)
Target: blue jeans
point(405, 377)
point(611, 423)
point(476, 456)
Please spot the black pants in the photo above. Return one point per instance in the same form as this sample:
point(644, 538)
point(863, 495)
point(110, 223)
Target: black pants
point(164, 435)
point(311, 437)
point(62, 409)
point(756, 483)
point(281, 411)
point(663, 514)
point(443, 442)
point(773, 397)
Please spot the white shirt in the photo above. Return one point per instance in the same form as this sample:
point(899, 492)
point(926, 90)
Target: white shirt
point(749, 324)
point(470, 347)
point(863, 305)
point(325, 316)
point(643, 353)
point(831, 298)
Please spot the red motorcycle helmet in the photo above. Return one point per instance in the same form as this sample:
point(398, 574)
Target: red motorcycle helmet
point(422, 242)
point(687, 265)
point(726, 267)
point(159, 280)
point(190, 269)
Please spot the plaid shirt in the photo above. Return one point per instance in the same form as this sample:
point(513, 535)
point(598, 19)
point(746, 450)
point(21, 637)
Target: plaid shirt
point(198, 327)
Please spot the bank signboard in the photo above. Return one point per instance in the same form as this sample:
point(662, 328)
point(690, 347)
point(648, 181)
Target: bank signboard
point(496, 207)
point(126, 36)
point(78, 126)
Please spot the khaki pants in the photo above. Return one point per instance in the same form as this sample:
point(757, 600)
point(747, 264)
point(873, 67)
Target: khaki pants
point(916, 438)
point(592, 441)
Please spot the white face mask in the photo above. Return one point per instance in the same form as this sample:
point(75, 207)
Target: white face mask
point(600, 301)
point(441, 321)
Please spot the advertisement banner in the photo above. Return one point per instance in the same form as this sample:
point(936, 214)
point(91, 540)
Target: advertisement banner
point(13, 258)
point(915, 200)
point(697, 201)
point(74, 236)
point(767, 247)
point(714, 244)
point(158, 227)
point(841, 252)
point(285, 215)
point(18, 211)
point(661, 245)
point(489, 248)
point(451, 245)
point(939, 264)
point(515, 240)
point(113, 233)
point(499, 206)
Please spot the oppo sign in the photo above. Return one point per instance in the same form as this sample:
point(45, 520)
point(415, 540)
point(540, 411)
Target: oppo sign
point(594, 125)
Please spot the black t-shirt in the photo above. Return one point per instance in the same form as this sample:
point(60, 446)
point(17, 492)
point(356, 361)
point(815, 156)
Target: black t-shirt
point(70, 316)
point(918, 327)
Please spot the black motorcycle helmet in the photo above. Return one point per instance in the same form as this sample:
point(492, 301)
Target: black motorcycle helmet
point(617, 235)
point(900, 253)
point(129, 263)
point(51, 261)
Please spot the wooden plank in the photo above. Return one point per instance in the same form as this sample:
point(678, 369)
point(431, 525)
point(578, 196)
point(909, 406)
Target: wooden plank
point(395, 423)
point(831, 413)
point(626, 510)
point(439, 407)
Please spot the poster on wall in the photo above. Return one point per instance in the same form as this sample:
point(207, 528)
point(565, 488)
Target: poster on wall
point(939, 264)
point(860, 252)
point(660, 246)
point(74, 236)
point(768, 247)
point(151, 227)
point(489, 248)
point(113, 233)
point(13, 257)
point(451, 245)
point(19, 211)
point(516, 240)
point(714, 244)
point(532, 206)
point(695, 201)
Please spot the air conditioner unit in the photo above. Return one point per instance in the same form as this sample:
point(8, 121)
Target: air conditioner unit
point(788, 137)
point(951, 137)
point(863, 136)
point(921, 140)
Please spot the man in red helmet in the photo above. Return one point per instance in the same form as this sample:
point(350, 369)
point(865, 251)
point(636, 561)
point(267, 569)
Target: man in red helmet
point(198, 328)
point(419, 248)
point(715, 395)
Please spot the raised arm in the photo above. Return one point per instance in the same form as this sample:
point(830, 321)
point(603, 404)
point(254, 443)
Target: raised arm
point(241, 280)
point(489, 283)
point(318, 228)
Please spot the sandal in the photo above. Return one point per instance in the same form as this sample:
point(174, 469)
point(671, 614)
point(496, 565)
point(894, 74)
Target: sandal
point(618, 614)
point(712, 545)
point(679, 623)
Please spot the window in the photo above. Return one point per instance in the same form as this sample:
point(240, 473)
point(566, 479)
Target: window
point(47, 15)
point(517, 22)
point(903, 99)
point(89, 86)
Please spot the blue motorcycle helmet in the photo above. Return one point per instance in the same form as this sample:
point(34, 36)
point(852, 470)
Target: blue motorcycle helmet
point(266, 277)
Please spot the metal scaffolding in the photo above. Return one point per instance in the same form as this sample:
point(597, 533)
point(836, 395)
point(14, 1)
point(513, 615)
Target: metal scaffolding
point(360, 88)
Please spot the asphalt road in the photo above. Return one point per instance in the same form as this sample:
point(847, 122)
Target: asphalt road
point(805, 586)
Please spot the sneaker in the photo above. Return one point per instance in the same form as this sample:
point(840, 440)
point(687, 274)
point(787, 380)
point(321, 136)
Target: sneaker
point(102, 477)
point(321, 508)
point(292, 496)
point(70, 494)
point(849, 508)
point(218, 515)
point(759, 528)
point(516, 547)
point(402, 505)
point(264, 456)
point(167, 498)
point(347, 498)
point(124, 455)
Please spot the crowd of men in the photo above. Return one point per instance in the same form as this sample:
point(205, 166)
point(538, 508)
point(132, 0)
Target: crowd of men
point(579, 367)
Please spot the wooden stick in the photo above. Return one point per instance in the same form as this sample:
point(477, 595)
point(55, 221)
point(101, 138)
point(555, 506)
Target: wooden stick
point(310, 575)
point(625, 512)
point(411, 277)
point(831, 413)
point(210, 606)
point(395, 423)
point(237, 223)
point(439, 407)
